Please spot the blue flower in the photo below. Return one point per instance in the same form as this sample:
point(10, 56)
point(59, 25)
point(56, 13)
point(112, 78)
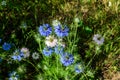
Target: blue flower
point(6, 46)
point(61, 32)
point(59, 49)
point(17, 55)
point(79, 68)
point(21, 54)
point(67, 59)
point(13, 76)
point(47, 51)
point(45, 30)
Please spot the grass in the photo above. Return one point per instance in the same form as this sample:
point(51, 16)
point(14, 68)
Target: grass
point(95, 17)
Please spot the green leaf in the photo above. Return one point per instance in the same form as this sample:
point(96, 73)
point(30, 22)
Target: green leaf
point(90, 74)
point(88, 30)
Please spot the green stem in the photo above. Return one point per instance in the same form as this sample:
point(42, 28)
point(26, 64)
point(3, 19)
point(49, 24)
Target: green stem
point(57, 64)
point(91, 60)
point(32, 65)
point(35, 15)
point(96, 51)
point(85, 76)
point(40, 47)
point(75, 35)
point(77, 74)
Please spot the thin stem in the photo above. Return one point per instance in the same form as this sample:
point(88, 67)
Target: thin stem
point(96, 51)
point(75, 35)
point(57, 64)
point(85, 75)
point(91, 60)
point(32, 65)
point(40, 47)
point(35, 14)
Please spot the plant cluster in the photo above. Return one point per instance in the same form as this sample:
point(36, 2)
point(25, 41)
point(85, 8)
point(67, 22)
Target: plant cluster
point(59, 40)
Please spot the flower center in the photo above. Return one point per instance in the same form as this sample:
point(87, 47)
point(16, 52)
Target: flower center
point(67, 57)
point(51, 39)
point(45, 28)
point(99, 38)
